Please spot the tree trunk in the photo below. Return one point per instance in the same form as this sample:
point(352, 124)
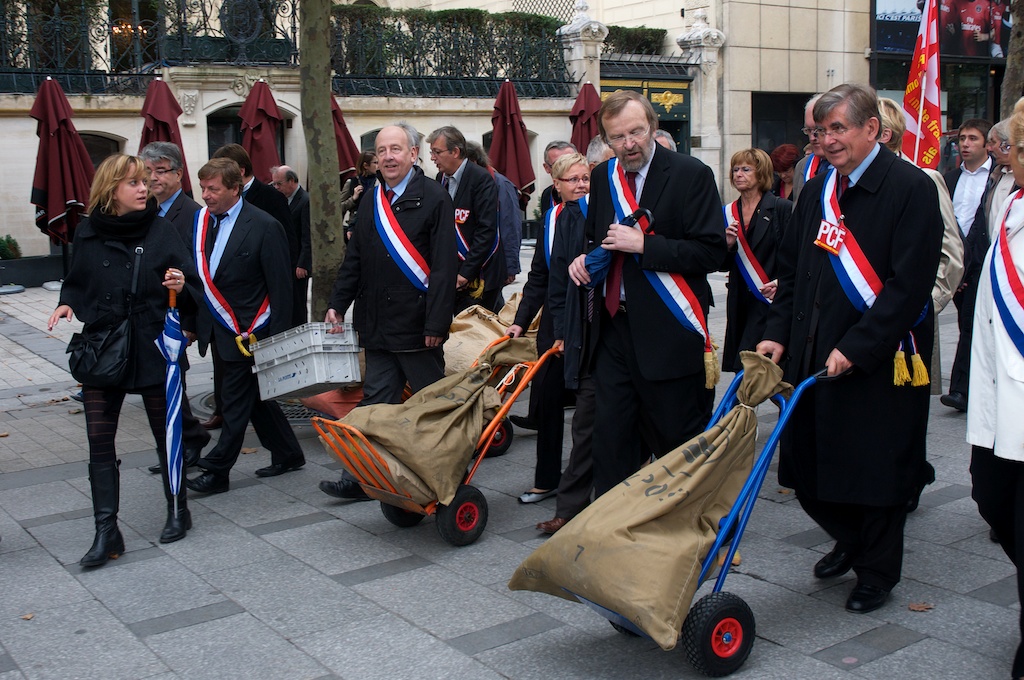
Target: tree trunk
point(1013, 78)
point(328, 243)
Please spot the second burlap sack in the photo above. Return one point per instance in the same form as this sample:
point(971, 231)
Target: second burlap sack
point(637, 550)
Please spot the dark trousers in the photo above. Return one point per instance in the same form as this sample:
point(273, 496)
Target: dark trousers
point(300, 293)
point(666, 412)
point(241, 403)
point(960, 376)
point(548, 387)
point(577, 481)
point(193, 434)
point(388, 372)
point(873, 534)
point(998, 489)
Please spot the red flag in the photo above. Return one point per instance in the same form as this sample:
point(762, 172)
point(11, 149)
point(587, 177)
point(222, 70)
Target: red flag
point(921, 100)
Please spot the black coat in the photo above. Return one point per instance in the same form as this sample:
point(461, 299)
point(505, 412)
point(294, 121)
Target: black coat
point(254, 265)
point(390, 312)
point(566, 303)
point(859, 439)
point(299, 209)
point(476, 214)
point(273, 202)
point(746, 315)
point(688, 239)
point(100, 279)
point(182, 214)
point(535, 295)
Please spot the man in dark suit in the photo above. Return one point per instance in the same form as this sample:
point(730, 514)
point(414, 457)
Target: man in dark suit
point(164, 163)
point(815, 164)
point(648, 368)
point(970, 185)
point(549, 198)
point(241, 254)
point(475, 195)
point(403, 287)
point(271, 201)
point(854, 447)
point(287, 182)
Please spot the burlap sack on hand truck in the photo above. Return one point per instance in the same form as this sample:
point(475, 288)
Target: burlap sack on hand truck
point(434, 433)
point(637, 550)
point(476, 327)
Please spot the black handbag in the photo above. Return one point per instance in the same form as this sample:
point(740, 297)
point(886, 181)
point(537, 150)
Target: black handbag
point(101, 355)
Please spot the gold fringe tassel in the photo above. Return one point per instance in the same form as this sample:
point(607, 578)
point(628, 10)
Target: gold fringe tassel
point(920, 371)
point(241, 347)
point(900, 373)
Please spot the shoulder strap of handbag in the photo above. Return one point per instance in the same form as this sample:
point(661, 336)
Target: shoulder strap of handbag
point(135, 277)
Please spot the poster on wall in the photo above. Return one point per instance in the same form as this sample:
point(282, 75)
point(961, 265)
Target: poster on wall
point(967, 28)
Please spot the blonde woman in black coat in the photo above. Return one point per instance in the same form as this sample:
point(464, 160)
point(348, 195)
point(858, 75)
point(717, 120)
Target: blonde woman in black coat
point(123, 229)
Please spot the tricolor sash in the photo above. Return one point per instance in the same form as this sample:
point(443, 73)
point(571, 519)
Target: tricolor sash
point(397, 242)
point(752, 271)
point(215, 300)
point(858, 279)
point(584, 204)
point(812, 168)
point(672, 288)
point(549, 230)
point(856, 275)
point(1007, 288)
point(463, 245)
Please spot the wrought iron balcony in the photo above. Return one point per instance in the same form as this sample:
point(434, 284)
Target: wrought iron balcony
point(115, 46)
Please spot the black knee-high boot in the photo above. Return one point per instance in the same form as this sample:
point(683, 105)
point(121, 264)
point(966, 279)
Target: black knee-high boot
point(178, 523)
point(105, 481)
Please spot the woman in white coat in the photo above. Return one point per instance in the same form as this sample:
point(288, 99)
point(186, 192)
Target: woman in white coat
point(995, 427)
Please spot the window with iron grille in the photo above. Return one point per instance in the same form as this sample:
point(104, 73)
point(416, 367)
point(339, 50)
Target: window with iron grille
point(560, 9)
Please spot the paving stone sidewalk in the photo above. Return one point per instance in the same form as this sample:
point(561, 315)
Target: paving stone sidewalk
point(277, 580)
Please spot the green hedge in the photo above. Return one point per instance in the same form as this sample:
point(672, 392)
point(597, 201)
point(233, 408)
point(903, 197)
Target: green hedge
point(639, 40)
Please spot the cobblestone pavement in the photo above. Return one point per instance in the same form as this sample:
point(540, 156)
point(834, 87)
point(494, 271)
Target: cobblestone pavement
point(277, 580)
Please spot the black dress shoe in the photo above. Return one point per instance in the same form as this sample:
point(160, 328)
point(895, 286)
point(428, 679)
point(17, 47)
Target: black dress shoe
point(865, 598)
point(957, 400)
point(208, 482)
point(280, 468)
point(214, 423)
point(524, 423)
point(345, 489)
point(154, 469)
point(191, 458)
point(836, 563)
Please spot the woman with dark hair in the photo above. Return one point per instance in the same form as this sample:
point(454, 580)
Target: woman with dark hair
point(355, 187)
point(124, 245)
point(784, 158)
point(755, 223)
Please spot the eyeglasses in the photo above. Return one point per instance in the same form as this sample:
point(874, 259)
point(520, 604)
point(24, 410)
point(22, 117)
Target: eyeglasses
point(160, 172)
point(810, 132)
point(437, 152)
point(635, 136)
point(575, 180)
point(1005, 147)
point(833, 130)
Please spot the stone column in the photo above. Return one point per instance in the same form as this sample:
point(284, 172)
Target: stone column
point(582, 40)
point(700, 45)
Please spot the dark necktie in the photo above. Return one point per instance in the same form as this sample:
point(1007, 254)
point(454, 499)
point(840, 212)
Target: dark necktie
point(844, 184)
point(211, 234)
point(390, 195)
point(445, 181)
point(823, 165)
point(614, 281)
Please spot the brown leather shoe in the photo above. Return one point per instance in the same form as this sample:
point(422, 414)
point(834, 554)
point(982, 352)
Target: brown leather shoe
point(214, 423)
point(552, 525)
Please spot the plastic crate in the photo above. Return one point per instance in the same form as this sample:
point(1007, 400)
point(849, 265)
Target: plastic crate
point(306, 360)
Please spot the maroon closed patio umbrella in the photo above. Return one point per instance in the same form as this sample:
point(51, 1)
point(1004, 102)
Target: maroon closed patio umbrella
point(260, 122)
point(348, 152)
point(584, 117)
point(510, 148)
point(63, 177)
point(160, 113)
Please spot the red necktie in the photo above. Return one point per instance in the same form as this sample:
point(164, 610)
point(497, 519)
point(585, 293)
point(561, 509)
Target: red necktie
point(844, 184)
point(390, 195)
point(614, 281)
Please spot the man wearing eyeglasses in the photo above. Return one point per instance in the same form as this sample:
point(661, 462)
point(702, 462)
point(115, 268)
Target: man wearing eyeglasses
point(1002, 180)
point(648, 366)
point(970, 185)
point(854, 447)
point(815, 164)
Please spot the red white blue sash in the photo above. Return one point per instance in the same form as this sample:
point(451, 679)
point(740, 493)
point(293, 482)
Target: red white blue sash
point(752, 271)
point(811, 169)
point(584, 204)
point(402, 251)
point(1007, 288)
point(463, 245)
point(215, 300)
point(549, 230)
point(672, 288)
point(856, 275)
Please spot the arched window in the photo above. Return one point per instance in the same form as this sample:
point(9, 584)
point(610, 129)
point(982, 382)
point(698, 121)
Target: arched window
point(99, 147)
